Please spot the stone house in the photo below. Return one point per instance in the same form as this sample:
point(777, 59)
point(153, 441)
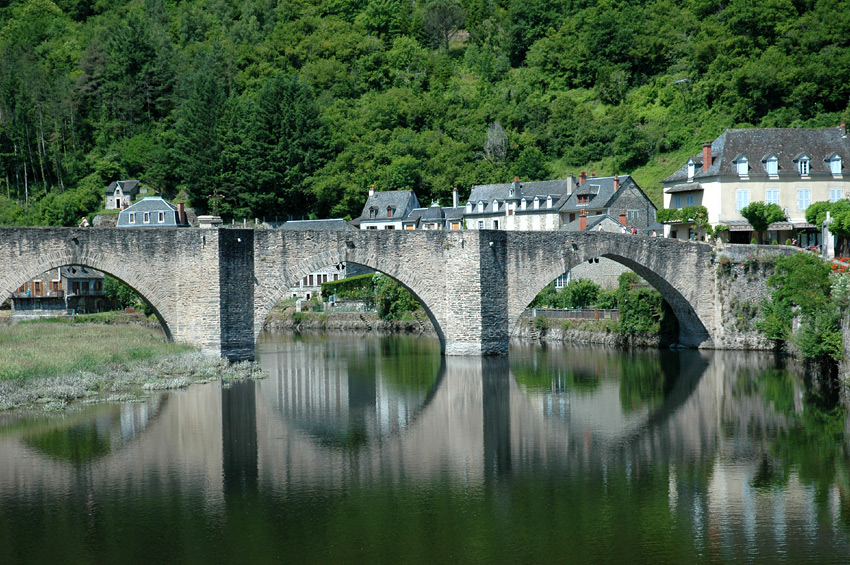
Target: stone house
point(386, 210)
point(122, 193)
point(153, 211)
point(435, 217)
point(618, 197)
point(791, 167)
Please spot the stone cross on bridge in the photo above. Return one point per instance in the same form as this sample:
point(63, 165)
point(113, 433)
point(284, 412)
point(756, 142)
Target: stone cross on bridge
point(214, 288)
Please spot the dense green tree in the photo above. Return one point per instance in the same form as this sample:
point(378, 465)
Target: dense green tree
point(761, 215)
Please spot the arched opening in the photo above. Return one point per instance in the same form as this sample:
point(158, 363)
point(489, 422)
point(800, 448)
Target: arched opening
point(67, 288)
point(687, 329)
point(385, 294)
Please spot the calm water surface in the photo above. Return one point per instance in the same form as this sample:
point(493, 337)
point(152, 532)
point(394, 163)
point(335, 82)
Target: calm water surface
point(379, 450)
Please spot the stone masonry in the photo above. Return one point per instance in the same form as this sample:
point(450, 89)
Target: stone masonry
point(215, 288)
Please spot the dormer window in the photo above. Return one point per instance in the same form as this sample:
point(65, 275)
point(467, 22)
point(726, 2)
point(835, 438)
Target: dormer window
point(771, 165)
point(469, 207)
point(691, 169)
point(582, 199)
point(536, 203)
point(522, 204)
point(743, 166)
point(835, 164)
point(480, 205)
point(549, 201)
point(390, 211)
point(373, 213)
point(495, 205)
point(803, 166)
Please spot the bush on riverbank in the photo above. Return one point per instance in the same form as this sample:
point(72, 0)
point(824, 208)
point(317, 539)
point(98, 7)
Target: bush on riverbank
point(804, 307)
point(393, 301)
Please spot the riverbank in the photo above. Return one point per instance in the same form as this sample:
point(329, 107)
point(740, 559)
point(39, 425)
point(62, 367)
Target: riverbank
point(48, 365)
point(287, 320)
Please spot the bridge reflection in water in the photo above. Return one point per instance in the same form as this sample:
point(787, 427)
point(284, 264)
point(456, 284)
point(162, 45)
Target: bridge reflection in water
point(382, 431)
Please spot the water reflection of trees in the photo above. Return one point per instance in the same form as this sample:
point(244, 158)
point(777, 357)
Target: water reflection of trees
point(92, 433)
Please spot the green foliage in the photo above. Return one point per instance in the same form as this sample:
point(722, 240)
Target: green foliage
point(578, 293)
point(839, 212)
point(350, 288)
point(761, 215)
point(801, 287)
point(297, 111)
point(392, 299)
point(686, 214)
point(115, 290)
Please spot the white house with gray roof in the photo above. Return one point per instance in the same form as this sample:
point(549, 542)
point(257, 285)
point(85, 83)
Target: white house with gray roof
point(791, 167)
point(152, 212)
point(386, 210)
point(528, 206)
point(122, 193)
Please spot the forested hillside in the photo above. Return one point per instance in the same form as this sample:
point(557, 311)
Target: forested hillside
point(293, 108)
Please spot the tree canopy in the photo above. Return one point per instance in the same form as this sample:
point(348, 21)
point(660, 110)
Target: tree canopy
point(293, 109)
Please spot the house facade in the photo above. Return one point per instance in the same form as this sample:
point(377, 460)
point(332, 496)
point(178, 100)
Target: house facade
point(66, 290)
point(789, 167)
point(526, 206)
point(122, 193)
point(152, 211)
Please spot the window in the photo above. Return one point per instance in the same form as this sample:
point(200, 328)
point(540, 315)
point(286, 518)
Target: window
point(147, 217)
point(389, 227)
point(536, 203)
point(409, 227)
point(772, 166)
point(161, 218)
point(804, 198)
point(373, 212)
point(455, 225)
point(835, 165)
point(582, 199)
point(389, 211)
point(522, 204)
point(835, 194)
point(691, 169)
point(481, 225)
point(371, 227)
point(480, 205)
point(803, 166)
point(689, 200)
point(549, 202)
point(572, 217)
point(677, 201)
point(743, 166)
point(495, 205)
point(632, 216)
point(131, 218)
point(771, 197)
point(495, 224)
point(742, 199)
point(98, 286)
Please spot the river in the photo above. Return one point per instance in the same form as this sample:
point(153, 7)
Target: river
point(367, 449)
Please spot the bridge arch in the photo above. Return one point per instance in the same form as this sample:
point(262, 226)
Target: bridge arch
point(149, 289)
point(663, 270)
point(288, 273)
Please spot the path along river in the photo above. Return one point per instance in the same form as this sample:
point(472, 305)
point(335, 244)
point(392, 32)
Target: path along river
point(380, 450)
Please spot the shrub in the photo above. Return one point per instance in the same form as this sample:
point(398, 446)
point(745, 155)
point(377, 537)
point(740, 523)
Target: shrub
point(788, 241)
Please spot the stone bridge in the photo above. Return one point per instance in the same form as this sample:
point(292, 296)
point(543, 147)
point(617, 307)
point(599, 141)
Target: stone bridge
point(215, 288)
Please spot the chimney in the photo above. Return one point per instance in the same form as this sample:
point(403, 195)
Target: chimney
point(582, 220)
point(706, 156)
point(616, 183)
point(372, 191)
point(516, 185)
point(181, 213)
point(622, 218)
point(592, 173)
point(454, 197)
point(581, 178)
point(843, 130)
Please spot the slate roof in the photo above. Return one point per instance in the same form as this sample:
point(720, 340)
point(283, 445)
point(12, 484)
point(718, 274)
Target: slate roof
point(787, 144)
point(488, 193)
point(149, 204)
point(127, 186)
point(78, 272)
point(334, 224)
point(402, 200)
point(685, 187)
point(601, 192)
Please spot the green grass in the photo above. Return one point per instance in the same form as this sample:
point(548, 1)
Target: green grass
point(53, 349)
